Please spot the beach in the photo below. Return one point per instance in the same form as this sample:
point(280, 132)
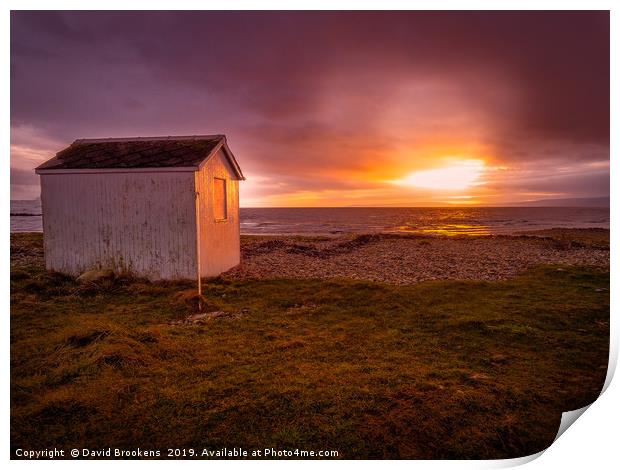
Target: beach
point(394, 258)
point(408, 259)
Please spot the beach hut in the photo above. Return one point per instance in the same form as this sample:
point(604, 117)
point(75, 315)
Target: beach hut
point(158, 207)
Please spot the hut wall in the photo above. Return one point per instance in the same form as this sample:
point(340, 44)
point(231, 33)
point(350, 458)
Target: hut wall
point(219, 239)
point(140, 222)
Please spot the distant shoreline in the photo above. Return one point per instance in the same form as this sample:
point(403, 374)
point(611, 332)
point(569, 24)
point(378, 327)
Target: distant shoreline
point(412, 234)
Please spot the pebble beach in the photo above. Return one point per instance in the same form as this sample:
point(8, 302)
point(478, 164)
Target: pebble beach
point(399, 259)
point(394, 259)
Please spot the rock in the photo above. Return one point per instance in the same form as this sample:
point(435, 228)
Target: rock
point(479, 376)
point(200, 318)
point(499, 358)
point(197, 318)
point(220, 314)
point(96, 275)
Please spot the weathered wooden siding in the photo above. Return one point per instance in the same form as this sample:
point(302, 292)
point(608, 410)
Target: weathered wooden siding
point(219, 240)
point(138, 222)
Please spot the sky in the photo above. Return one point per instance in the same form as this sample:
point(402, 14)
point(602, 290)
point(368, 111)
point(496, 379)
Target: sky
point(330, 108)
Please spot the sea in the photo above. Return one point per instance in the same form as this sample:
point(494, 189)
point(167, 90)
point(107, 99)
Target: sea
point(26, 217)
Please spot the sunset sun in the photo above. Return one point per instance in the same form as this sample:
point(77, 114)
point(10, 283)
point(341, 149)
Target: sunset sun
point(458, 175)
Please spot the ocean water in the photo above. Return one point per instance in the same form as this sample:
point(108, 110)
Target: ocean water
point(26, 217)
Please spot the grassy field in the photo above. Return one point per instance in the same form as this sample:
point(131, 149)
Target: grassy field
point(435, 370)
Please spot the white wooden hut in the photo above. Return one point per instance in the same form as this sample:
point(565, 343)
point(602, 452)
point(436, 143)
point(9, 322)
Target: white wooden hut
point(158, 207)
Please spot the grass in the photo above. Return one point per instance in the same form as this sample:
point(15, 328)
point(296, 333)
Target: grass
point(435, 370)
point(564, 238)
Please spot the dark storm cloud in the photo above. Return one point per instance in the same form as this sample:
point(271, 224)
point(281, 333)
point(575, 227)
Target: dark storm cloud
point(275, 63)
point(311, 92)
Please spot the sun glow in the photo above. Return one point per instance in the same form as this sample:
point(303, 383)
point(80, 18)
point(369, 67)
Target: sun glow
point(457, 176)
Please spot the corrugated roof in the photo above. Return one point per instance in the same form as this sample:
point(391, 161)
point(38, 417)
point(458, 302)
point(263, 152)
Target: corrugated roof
point(139, 152)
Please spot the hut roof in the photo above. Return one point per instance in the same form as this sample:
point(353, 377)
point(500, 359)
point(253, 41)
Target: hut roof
point(140, 152)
